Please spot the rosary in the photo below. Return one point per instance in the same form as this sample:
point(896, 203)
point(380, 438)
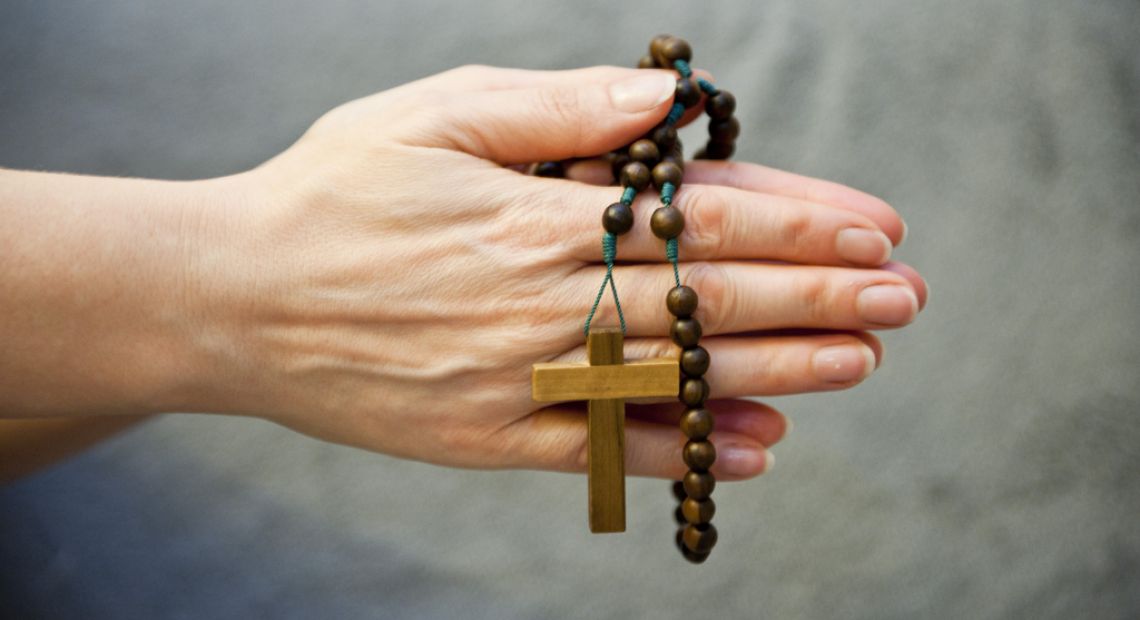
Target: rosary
point(606, 381)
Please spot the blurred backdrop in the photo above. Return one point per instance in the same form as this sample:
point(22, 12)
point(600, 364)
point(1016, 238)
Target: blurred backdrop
point(990, 469)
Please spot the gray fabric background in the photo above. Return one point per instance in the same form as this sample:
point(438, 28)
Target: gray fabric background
point(989, 470)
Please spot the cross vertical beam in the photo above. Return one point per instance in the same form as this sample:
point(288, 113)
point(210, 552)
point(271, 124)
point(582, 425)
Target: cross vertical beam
point(606, 420)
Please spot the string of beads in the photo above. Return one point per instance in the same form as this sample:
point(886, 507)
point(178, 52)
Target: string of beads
point(658, 159)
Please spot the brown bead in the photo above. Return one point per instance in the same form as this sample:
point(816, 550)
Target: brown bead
point(695, 558)
point(720, 150)
point(617, 218)
point(617, 163)
point(645, 151)
point(698, 512)
point(681, 301)
point(700, 154)
point(666, 222)
point(646, 62)
point(699, 455)
point(676, 48)
point(636, 175)
point(699, 486)
point(720, 105)
point(724, 130)
point(553, 169)
point(700, 538)
point(667, 172)
point(695, 361)
point(679, 516)
point(687, 92)
point(656, 49)
point(696, 423)
point(679, 490)
point(665, 137)
point(694, 392)
point(685, 332)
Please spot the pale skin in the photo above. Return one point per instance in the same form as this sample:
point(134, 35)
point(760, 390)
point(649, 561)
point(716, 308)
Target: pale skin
point(387, 282)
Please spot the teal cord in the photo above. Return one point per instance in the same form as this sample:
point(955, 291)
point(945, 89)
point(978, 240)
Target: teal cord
point(674, 114)
point(707, 86)
point(609, 253)
point(628, 194)
point(682, 68)
point(671, 254)
point(667, 191)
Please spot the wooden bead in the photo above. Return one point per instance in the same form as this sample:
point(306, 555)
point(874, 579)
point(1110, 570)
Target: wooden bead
point(676, 48)
point(617, 218)
point(553, 169)
point(656, 49)
point(646, 62)
point(724, 130)
point(696, 423)
point(700, 154)
point(720, 105)
point(667, 172)
point(694, 392)
point(618, 161)
point(695, 361)
point(665, 137)
point(681, 301)
point(685, 332)
point(667, 222)
point(679, 490)
point(645, 151)
point(699, 486)
point(700, 538)
point(687, 93)
point(698, 512)
point(695, 558)
point(679, 516)
point(699, 455)
point(719, 150)
point(636, 175)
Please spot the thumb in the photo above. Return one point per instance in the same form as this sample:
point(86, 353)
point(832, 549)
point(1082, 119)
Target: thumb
point(556, 120)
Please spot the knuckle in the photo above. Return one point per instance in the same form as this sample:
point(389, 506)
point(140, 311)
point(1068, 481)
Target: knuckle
point(714, 290)
point(564, 105)
point(795, 227)
point(705, 221)
point(813, 294)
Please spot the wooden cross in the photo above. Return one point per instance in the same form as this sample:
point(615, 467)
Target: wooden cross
point(606, 381)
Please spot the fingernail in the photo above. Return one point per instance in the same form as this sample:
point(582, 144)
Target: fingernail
point(903, 238)
point(642, 92)
point(739, 460)
point(863, 246)
point(887, 304)
point(788, 426)
point(843, 363)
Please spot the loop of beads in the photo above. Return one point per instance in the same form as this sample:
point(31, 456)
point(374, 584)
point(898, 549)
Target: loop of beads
point(658, 159)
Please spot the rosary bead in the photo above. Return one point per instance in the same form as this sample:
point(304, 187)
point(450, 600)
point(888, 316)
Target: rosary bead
point(685, 332)
point(676, 48)
point(700, 154)
point(667, 172)
point(667, 222)
point(699, 486)
point(696, 423)
point(646, 62)
point(700, 538)
point(636, 175)
point(679, 516)
point(720, 150)
point(645, 151)
point(687, 93)
point(698, 512)
point(656, 49)
point(695, 361)
point(553, 169)
point(694, 392)
point(665, 137)
point(618, 160)
point(695, 558)
point(724, 130)
point(681, 301)
point(618, 218)
point(721, 105)
point(699, 455)
point(679, 490)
